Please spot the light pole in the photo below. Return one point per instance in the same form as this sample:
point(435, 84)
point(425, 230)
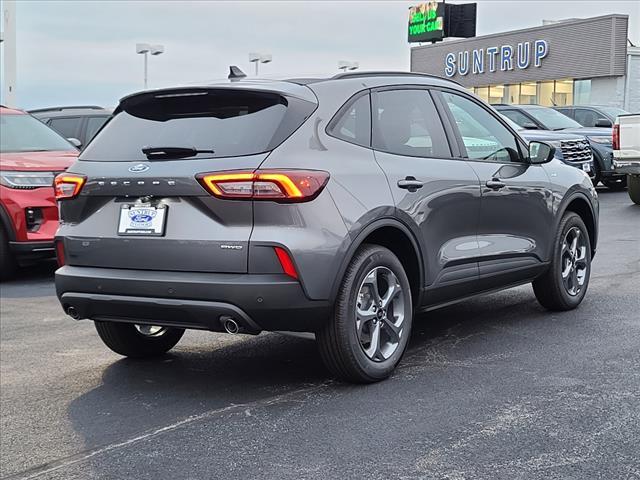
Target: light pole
point(260, 58)
point(8, 40)
point(345, 65)
point(145, 49)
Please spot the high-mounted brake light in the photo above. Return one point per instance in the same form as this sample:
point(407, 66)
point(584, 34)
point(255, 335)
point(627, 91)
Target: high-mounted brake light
point(277, 185)
point(67, 185)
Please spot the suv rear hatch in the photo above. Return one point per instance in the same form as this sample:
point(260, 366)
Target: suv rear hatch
point(142, 206)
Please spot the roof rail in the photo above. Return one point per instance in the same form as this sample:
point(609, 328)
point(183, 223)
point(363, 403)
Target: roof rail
point(71, 107)
point(386, 73)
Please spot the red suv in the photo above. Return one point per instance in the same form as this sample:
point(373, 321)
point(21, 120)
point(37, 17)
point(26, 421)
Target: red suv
point(31, 155)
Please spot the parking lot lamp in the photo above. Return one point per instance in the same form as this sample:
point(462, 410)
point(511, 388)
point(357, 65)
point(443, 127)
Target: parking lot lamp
point(260, 58)
point(146, 49)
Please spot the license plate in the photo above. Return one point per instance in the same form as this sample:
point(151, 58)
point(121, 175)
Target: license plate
point(142, 220)
point(586, 167)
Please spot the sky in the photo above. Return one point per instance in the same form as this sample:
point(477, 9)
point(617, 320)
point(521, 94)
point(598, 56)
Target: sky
point(83, 52)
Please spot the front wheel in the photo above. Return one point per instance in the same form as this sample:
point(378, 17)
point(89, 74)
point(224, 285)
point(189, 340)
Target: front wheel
point(7, 261)
point(366, 337)
point(565, 283)
point(138, 341)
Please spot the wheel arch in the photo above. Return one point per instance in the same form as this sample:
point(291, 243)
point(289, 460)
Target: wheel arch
point(580, 205)
point(397, 237)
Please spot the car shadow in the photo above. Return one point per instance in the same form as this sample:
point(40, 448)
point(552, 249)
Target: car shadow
point(31, 281)
point(139, 396)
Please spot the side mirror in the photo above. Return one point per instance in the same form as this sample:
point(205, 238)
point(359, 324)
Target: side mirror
point(603, 122)
point(541, 152)
point(529, 126)
point(75, 142)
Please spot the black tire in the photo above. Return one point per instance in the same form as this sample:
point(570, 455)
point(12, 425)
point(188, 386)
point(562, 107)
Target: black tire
point(617, 184)
point(125, 339)
point(633, 188)
point(550, 289)
point(339, 341)
point(8, 263)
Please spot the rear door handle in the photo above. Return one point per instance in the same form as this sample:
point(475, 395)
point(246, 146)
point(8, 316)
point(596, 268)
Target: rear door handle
point(410, 183)
point(495, 184)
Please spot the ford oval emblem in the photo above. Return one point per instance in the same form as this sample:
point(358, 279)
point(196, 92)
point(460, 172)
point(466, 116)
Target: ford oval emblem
point(141, 167)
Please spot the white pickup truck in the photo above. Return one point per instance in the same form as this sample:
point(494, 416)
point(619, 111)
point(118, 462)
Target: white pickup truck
point(626, 151)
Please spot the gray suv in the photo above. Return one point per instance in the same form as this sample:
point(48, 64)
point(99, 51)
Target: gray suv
point(340, 206)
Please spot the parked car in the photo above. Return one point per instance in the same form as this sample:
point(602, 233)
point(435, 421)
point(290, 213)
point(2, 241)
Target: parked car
point(571, 149)
point(592, 115)
point(337, 206)
point(626, 152)
point(31, 155)
point(74, 122)
point(545, 118)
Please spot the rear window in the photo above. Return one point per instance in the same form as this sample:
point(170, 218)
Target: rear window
point(23, 133)
point(225, 121)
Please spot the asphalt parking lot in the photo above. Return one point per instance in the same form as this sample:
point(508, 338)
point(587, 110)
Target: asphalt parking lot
point(494, 387)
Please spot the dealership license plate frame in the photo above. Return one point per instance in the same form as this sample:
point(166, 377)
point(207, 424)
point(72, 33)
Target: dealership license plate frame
point(586, 167)
point(155, 227)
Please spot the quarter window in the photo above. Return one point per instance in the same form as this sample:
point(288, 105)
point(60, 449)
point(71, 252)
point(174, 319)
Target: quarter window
point(483, 135)
point(67, 127)
point(406, 122)
point(353, 124)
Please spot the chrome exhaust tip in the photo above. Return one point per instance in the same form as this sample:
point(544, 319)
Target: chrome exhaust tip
point(230, 325)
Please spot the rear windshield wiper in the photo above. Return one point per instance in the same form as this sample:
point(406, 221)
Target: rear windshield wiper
point(157, 153)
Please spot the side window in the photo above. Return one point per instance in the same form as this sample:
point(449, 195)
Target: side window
point(566, 111)
point(518, 117)
point(587, 118)
point(406, 122)
point(93, 125)
point(67, 127)
point(353, 124)
point(483, 135)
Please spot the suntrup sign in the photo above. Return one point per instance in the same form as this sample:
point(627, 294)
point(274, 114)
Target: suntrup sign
point(492, 59)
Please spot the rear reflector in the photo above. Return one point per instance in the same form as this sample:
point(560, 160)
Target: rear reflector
point(285, 261)
point(616, 136)
point(276, 185)
point(60, 253)
point(67, 185)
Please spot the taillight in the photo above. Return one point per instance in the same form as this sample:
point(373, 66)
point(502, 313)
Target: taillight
point(67, 185)
point(285, 262)
point(60, 253)
point(616, 136)
point(277, 185)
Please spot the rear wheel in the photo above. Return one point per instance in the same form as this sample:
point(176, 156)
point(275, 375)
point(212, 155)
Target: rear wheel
point(633, 187)
point(617, 184)
point(368, 333)
point(138, 341)
point(7, 261)
point(565, 283)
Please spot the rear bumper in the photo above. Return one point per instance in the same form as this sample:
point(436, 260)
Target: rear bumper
point(190, 300)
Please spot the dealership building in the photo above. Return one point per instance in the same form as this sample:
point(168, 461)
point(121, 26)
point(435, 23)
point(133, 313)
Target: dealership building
point(581, 61)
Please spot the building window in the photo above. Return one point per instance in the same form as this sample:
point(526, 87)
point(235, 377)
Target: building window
point(563, 94)
point(528, 93)
point(511, 94)
point(545, 93)
point(483, 93)
point(582, 92)
point(496, 92)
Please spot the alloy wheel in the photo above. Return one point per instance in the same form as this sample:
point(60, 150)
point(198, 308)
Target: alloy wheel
point(150, 330)
point(574, 261)
point(380, 314)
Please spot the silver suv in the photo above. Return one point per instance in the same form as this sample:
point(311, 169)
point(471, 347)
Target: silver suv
point(338, 206)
